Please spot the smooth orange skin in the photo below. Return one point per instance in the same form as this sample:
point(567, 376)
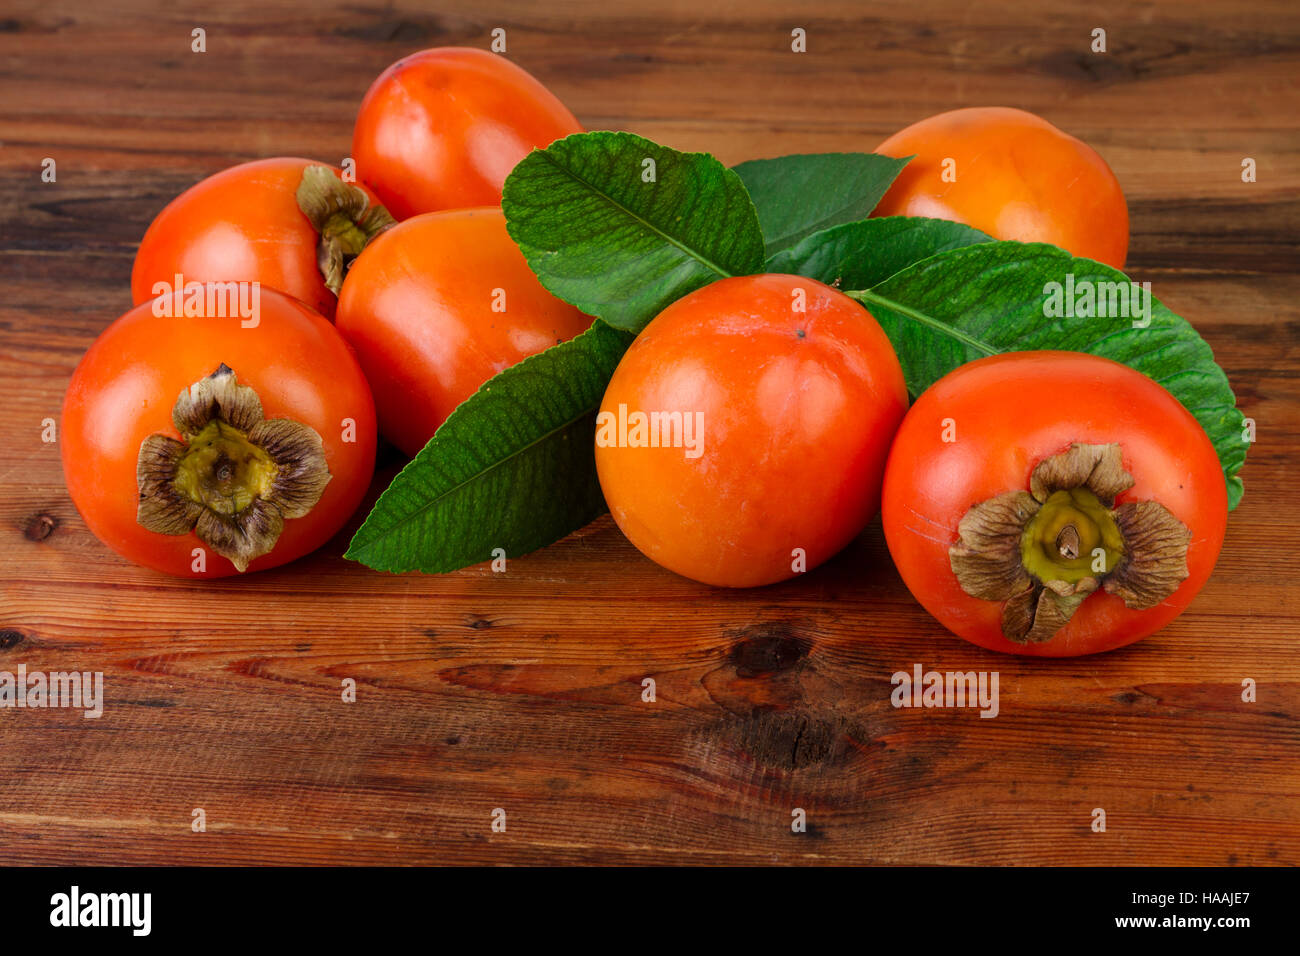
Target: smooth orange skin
point(417, 307)
point(125, 387)
point(441, 129)
point(1010, 412)
point(796, 429)
point(1017, 177)
point(241, 225)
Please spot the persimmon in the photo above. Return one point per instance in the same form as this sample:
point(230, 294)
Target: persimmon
point(743, 436)
point(442, 128)
point(1052, 503)
point(204, 442)
point(290, 224)
point(435, 307)
point(1012, 175)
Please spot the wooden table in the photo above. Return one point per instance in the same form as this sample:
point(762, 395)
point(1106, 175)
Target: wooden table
point(522, 691)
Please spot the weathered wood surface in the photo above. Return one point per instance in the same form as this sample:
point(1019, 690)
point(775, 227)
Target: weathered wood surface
point(522, 691)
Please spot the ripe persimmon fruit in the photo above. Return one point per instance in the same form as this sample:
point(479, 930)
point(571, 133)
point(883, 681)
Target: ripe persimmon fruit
point(442, 128)
point(1012, 175)
point(1053, 503)
point(435, 307)
point(743, 436)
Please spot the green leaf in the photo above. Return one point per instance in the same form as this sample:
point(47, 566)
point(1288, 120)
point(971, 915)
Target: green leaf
point(984, 299)
point(602, 238)
point(513, 466)
point(802, 194)
point(857, 255)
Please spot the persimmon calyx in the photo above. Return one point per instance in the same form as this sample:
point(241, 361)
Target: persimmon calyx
point(1043, 552)
point(343, 217)
point(235, 476)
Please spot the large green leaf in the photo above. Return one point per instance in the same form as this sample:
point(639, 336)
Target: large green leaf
point(857, 255)
point(799, 195)
point(620, 226)
point(983, 299)
point(513, 467)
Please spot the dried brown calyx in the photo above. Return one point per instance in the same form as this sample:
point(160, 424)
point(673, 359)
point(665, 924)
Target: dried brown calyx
point(1044, 551)
point(343, 216)
point(235, 476)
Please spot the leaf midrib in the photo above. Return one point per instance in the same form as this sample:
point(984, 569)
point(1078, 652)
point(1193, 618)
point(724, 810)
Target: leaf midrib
point(951, 331)
point(410, 516)
point(923, 318)
point(709, 263)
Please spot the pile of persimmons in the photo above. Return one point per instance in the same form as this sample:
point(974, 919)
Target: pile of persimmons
point(289, 313)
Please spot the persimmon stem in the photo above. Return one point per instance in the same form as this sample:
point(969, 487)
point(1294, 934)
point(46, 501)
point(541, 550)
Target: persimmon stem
point(1067, 542)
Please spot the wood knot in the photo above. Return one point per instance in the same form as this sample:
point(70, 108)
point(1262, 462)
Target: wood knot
point(768, 649)
point(40, 527)
point(11, 638)
point(788, 740)
point(1132, 696)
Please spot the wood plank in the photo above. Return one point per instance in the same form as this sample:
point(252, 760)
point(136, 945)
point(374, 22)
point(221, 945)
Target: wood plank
point(523, 690)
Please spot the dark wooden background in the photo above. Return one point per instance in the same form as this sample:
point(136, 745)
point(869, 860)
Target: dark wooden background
point(522, 691)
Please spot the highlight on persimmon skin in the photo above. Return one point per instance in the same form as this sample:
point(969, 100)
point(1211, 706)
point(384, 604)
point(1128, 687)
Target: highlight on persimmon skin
point(1012, 175)
point(794, 391)
point(442, 128)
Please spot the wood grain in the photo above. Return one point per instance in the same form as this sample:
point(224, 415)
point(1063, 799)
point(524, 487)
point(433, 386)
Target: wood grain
point(523, 690)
